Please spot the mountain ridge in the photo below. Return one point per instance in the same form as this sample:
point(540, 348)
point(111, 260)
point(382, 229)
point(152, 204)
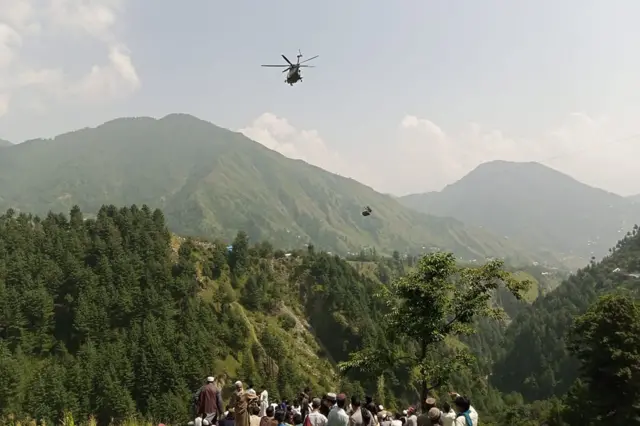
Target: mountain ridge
point(540, 207)
point(212, 182)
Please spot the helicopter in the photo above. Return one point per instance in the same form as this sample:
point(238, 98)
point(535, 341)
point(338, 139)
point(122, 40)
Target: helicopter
point(294, 74)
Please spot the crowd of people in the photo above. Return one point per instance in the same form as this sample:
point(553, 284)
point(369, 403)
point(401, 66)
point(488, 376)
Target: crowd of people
point(247, 408)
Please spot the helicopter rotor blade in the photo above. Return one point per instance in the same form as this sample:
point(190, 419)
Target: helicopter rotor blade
point(307, 66)
point(288, 61)
point(275, 66)
point(307, 60)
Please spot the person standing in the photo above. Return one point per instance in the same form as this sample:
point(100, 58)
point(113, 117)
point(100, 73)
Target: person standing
point(209, 402)
point(338, 416)
point(240, 402)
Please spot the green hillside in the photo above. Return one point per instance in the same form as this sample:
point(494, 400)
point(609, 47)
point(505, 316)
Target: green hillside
point(213, 182)
point(536, 362)
point(541, 208)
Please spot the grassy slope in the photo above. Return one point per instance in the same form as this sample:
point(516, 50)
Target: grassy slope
point(211, 182)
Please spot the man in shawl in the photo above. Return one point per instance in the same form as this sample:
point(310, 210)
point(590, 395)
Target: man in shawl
point(209, 402)
point(240, 401)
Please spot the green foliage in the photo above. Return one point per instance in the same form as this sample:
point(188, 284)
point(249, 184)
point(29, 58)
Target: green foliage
point(606, 340)
point(435, 301)
point(535, 361)
point(212, 182)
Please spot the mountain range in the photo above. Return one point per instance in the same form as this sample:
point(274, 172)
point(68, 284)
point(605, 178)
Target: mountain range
point(213, 182)
point(541, 208)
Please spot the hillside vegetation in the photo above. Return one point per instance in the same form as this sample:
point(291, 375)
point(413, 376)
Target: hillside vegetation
point(540, 208)
point(213, 182)
point(536, 361)
point(113, 317)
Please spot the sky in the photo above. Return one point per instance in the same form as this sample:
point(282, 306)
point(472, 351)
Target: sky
point(406, 96)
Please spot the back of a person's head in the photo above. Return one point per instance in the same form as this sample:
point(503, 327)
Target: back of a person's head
point(372, 407)
point(462, 403)
point(270, 411)
point(355, 401)
point(297, 419)
point(341, 401)
point(446, 407)
point(279, 416)
point(316, 402)
point(255, 410)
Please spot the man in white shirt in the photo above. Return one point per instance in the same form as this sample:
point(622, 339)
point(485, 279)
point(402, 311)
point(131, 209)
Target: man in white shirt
point(315, 417)
point(338, 416)
point(466, 415)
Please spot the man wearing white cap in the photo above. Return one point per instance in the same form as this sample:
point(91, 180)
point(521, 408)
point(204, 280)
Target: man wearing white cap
point(209, 402)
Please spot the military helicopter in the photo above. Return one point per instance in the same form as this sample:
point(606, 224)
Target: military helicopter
point(294, 74)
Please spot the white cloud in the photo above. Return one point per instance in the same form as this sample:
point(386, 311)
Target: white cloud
point(424, 157)
point(278, 134)
point(31, 30)
point(594, 151)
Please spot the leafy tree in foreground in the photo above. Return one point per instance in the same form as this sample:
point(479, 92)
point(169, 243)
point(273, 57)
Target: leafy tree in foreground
point(606, 340)
point(436, 300)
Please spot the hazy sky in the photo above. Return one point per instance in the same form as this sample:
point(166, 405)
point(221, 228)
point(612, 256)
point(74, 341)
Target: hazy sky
point(407, 95)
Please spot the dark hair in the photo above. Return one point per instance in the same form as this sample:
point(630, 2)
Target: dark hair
point(270, 411)
point(341, 402)
point(371, 407)
point(250, 385)
point(366, 416)
point(279, 416)
point(355, 401)
point(254, 409)
point(368, 399)
point(462, 402)
point(297, 419)
point(446, 407)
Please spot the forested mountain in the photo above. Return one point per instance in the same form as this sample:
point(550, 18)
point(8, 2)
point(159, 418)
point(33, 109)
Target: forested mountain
point(94, 311)
point(536, 362)
point(213, 182)
point(537, 206)
point(112, 316)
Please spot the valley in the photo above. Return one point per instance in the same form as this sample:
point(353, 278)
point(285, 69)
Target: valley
point(174, 248)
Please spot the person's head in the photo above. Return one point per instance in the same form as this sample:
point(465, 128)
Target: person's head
point(411, 411)
point(270, 411)
point(331, 397)
point(279, 416)
point(355, 401)
point(397, 416)
point(254, 410)
point(297, 419)
point(462, 403)
point(434, 414)
point(446, 407)
point(238, 385)
point(341, 400)
point(372, 408)
point(315, 403)
point(307, 390)
point(430, 403)
point(368, 399)
point(250, 385)
point(210, 379)
point(289, 408)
